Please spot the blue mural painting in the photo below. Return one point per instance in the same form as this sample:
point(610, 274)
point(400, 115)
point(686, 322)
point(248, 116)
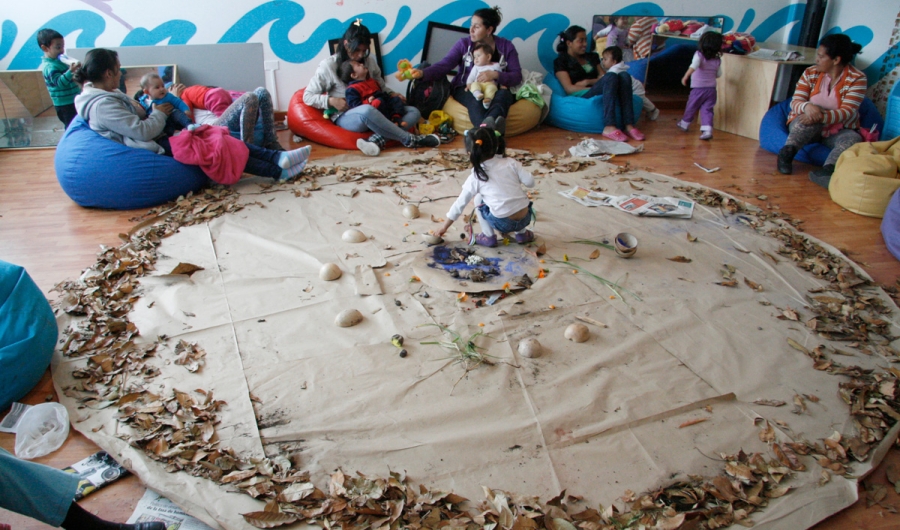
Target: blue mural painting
point(282, 16)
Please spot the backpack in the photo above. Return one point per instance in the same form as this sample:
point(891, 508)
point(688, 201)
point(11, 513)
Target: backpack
point(428, 96)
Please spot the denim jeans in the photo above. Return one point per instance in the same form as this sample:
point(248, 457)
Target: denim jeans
point(367, 118)
point(616, 91)
point(500, 105)
point(505, 224)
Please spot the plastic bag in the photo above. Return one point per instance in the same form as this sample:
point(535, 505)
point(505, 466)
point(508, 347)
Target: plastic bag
point(42, 430)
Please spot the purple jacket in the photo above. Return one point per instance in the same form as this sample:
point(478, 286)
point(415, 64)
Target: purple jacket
point(460, 57)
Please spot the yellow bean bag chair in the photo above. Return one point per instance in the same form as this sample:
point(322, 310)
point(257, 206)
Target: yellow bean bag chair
point(523, 116)
point(866, 176)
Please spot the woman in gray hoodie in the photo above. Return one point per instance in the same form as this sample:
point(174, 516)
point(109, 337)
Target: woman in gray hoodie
point(114, 115)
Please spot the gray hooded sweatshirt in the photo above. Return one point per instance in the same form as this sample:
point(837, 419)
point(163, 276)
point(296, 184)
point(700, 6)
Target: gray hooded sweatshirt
point(112, 115)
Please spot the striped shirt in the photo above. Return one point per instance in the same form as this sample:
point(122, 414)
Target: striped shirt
point(850, 91)
point(58, 79)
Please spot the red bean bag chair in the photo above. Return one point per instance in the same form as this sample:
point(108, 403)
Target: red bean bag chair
point(311, 124)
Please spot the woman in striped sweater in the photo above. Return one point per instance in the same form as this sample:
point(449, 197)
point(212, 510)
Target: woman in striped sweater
point(825, 106)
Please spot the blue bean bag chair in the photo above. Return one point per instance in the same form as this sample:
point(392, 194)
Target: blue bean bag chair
point(584, 115)
point(96, 172)
point(773, 131)
point(27, 334)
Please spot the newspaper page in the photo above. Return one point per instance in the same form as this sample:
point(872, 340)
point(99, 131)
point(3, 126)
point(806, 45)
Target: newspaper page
point(95, 471)
point(154, 507)
point(644, 205)
point(776, 55)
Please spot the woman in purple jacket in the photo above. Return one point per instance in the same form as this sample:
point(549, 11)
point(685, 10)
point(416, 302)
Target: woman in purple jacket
point(482, 28)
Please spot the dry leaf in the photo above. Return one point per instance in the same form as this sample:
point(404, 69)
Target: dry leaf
point(728, 283)
point(770, 402)
point(186, 269)
point(270, 519)
point(691, 238)
point(595, 254)
point(694, 421)
point(767, 433)
point(680, 259)
point(753, 285)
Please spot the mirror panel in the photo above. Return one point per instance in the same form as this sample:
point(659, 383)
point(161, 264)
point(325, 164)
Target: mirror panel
point(27, 116)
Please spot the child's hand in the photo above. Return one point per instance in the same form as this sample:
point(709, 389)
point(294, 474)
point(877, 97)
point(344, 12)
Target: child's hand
point(443, 229)
point(74, 66)
point(165, 108)
point(684, 81)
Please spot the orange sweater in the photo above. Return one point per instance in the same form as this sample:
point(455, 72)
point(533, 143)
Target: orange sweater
point(850, 89)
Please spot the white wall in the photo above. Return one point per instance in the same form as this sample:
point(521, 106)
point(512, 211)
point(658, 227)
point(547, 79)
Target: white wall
point(294, 33)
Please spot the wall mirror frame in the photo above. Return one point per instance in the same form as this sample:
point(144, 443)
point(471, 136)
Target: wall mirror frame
point(27, 116)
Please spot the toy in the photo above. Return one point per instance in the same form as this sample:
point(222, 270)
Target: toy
point(670, 26)
point(405, 71)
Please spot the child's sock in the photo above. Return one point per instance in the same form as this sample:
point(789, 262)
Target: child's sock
point(683, 125)
point(291, 172)
point(486, 103)
point(706, 132)
point(478, 94)
point(292, 158)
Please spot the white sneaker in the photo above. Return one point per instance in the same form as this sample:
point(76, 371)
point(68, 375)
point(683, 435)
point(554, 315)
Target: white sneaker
point(368, 148)
point(653, 114)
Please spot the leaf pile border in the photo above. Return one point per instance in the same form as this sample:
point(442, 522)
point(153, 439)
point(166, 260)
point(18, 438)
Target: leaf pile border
point(178, 430)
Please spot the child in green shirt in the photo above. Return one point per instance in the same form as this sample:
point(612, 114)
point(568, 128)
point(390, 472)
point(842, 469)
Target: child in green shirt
point(58, 75)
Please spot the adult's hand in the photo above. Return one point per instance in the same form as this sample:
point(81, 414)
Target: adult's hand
point(339, 103)
point(177, 89)
point(165, 108)
point(811, 114)
point(488, 75)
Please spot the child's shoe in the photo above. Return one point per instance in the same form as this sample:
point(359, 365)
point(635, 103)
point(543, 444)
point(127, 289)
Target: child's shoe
point(683, 125)
point(706, 135)
point(372, 146)
point(428, 140)
point(526, 236)
point(486, 241)
point(653, 115)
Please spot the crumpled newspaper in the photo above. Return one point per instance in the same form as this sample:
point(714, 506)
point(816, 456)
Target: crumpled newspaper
point(603, 149)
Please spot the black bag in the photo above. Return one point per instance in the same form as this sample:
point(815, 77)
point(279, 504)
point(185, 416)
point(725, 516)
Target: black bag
point(428, 95)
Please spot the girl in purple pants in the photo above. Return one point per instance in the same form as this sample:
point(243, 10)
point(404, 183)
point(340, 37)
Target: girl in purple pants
point(705, 67)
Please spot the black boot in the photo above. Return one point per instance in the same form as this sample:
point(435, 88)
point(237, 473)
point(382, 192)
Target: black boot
point(822, 176)
point(785, 159)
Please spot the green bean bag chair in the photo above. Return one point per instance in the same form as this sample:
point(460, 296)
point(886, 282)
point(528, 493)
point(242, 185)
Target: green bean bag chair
point(27, 333)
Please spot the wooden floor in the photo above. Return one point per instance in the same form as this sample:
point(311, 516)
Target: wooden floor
point(42, 230)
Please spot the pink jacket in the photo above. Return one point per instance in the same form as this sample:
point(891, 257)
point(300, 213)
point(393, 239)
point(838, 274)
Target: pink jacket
point(221, 156)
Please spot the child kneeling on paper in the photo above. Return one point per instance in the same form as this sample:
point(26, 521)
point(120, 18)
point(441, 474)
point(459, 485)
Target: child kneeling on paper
point(496, 185)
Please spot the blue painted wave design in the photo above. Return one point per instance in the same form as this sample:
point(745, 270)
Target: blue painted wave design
point(89, 23)
point(284, 16)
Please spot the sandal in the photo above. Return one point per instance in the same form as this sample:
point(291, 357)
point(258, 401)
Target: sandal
point(636, 134)
point(616, 136)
